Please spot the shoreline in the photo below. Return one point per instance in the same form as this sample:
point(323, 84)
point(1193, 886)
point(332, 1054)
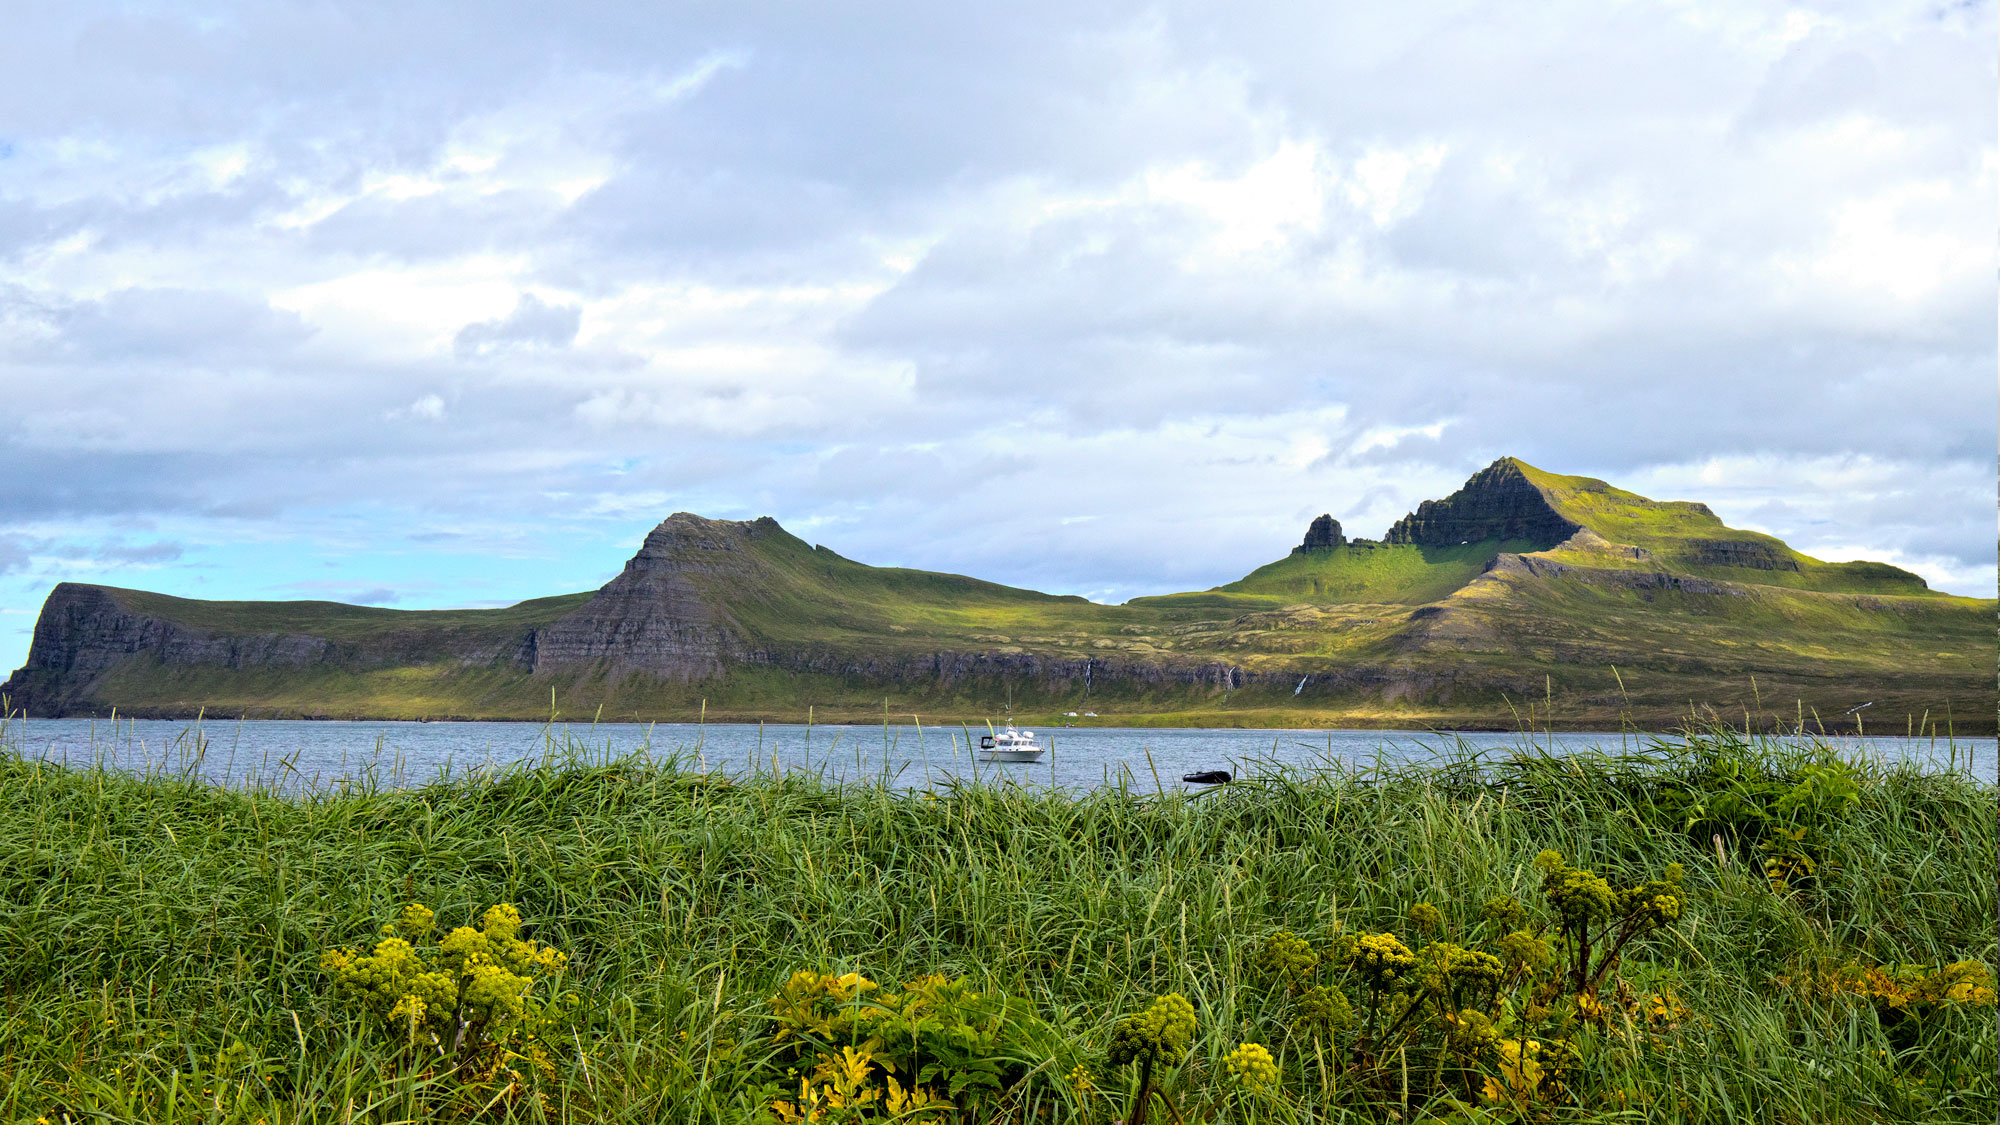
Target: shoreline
point(1927, 727)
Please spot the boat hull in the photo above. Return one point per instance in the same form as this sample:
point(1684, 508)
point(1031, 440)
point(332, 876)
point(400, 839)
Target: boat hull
point(1010, 755)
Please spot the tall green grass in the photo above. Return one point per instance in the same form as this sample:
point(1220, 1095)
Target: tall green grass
point(159, 936)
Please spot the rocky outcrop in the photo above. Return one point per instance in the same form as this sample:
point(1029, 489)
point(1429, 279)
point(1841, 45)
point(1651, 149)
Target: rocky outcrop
point(1533, 566)
point(1323, 535)
point(1588, 541)
point(1746, 554)
point(656, 616)
point(1497, 502)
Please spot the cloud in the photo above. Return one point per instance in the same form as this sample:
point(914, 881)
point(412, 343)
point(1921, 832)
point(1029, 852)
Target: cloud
point(923, 278)
point(427, 408)
point(347, 592)
point(139, 553)
point(531, 324)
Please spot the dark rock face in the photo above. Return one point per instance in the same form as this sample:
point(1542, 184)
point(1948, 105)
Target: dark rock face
point(84, 631)
point(654, 616)
point(1498, 502)
point(1323, 535)
point(1064, 672)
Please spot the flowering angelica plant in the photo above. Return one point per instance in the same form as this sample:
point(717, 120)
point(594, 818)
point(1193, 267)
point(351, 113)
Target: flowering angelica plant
point(1493, 1021)
point(1158, 1036)
point(472, 992)
point(939, 1049)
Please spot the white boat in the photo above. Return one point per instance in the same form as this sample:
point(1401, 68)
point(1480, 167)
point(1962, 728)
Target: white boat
point(1010, 745)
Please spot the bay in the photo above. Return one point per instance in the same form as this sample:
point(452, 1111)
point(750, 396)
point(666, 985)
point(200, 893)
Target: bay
point(299, 756)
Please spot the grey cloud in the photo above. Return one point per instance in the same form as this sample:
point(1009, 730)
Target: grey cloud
point(345, 592)
point(156, 552)
point(531, 324)
point(152, 324)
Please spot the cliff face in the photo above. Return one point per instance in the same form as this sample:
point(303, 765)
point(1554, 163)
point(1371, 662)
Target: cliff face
point(85, 631)
point(1497, 502)
point(655, 617)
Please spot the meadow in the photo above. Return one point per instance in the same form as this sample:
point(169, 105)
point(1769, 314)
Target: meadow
point(1722, 928)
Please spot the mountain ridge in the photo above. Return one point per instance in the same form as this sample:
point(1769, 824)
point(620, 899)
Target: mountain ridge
point(1468, 606)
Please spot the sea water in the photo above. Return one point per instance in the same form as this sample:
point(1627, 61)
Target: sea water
point(300, 755)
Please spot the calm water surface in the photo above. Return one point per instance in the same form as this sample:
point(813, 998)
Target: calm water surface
point(299, 755)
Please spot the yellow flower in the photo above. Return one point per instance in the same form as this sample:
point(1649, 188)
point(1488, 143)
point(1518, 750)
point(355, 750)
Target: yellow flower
point(1160, 1034)
point(1384, 962)
point(1252, 1065)
point(1520, 1072)
point(415, 921)
point(1287, 958)
point(1079, 1081)
point(501, 921)
point(1426, 917)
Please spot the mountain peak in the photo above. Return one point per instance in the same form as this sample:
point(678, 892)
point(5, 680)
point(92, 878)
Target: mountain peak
point(1500, 501)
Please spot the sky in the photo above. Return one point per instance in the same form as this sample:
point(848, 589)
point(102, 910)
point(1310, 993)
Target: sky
point(446, 305)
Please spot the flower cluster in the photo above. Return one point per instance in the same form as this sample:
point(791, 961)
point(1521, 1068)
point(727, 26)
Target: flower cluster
point(1324, 1010)
point(854, 1051)
point(1252, 1065)
point(1426, 917)
point(1287, 958)
point(1525, 951)
point(1578, 896)
point(1445, 970)
point(1471, 1033)
point(468, 991)
point(1382, 961)
point(1656, 901)
point(1160, 1034)
point(1505, 910)
point(1496, 1019)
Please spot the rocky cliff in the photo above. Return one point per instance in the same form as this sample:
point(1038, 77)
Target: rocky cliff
point(1497, 502)
point(85, 631)
point(654, 617)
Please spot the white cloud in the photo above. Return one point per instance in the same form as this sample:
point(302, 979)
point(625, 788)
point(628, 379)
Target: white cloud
point(428, 408)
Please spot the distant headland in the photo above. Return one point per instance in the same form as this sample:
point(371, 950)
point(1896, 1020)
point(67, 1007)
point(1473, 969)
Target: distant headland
point(1525, 597)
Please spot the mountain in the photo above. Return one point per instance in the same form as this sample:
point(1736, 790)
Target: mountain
point(1525, 596)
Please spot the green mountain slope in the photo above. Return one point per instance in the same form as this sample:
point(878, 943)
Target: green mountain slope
point(1525, 594)
point(1686, 537)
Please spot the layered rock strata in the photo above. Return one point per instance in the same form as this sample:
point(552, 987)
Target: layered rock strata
point(1497, 502)
point(654, 616)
